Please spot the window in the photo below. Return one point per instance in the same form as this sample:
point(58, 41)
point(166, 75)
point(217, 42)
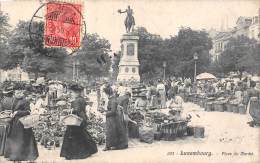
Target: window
point(133, 70)
point(130, 49)
point(126, 69)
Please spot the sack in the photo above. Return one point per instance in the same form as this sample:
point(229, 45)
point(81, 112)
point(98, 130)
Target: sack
point(146, 134)
point(30, 121)
point(72, 120)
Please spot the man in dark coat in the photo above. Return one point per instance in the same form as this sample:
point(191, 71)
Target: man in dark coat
point(77, 143)
point(20, 144)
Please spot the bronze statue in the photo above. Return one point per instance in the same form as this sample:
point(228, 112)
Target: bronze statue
point(129, 20)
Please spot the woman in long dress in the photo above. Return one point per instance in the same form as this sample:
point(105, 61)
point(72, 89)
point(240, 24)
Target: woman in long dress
point(20, 144)
point(115, 131)
point(77, 142)
point(5, 105)
point(254, 104)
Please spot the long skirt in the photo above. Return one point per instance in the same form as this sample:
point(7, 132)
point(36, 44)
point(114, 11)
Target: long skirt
point(3, 136)
point(254, 110)
point(20, 143)
point(162, 97)
point(116, 133)
point(77, 143)
point(154, 102)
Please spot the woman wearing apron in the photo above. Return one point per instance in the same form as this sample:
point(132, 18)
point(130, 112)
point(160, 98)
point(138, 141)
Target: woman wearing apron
point(254, 104)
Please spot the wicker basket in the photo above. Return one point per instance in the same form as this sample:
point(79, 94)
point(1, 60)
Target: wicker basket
point(72, 120)
point(229, 107)
point(171, 131)
point(5, 116)
point(208, 106)
point(219, 107)
point(235, 108)
point(30, 121)
point(242, 109)
point(199, 132)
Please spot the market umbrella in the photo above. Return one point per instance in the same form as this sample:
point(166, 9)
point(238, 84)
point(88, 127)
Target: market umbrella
point(256, 78)
point(205, 76)
point(61, 103)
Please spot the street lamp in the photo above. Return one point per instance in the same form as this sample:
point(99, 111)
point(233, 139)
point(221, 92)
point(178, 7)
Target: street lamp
point(77, 69)
point(195, 57)
point(164, 66)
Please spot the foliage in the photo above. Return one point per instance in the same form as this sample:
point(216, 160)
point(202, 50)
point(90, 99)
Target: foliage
point(4, 33)
point(94, 47)
point(240, 55)
point(115, 62)
point(177, 51)
point(32, 54)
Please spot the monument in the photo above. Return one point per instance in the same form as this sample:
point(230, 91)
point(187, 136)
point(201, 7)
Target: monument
point(129, 64)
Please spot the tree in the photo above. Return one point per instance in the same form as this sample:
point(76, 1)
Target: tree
point(33, 56)
point(4, 33)
point(150, 53)
point(239, 55)
point(183, 46)
point(94, 56)
point(177, 51)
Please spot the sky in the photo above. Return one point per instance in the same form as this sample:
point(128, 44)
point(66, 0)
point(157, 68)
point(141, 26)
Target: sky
point(163, 17)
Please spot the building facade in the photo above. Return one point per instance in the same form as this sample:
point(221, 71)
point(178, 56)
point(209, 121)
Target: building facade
point(245, 26)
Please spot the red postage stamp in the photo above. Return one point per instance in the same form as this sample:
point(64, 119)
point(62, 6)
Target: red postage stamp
point(63, 25)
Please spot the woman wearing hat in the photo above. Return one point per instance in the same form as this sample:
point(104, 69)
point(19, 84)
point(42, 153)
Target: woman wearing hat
point(141, 104)
point(77, 142)
point(254, 104)
point(5, 105)
point(20, 143)
point(115, 131)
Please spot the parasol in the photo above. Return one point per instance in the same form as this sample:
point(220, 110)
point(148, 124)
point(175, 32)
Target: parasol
point(256, 78)
point(205, 76)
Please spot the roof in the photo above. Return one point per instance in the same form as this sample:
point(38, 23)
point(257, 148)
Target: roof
point(223, 35)
point(245, 21)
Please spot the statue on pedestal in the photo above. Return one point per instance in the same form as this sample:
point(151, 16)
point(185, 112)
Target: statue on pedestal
point(129, 20)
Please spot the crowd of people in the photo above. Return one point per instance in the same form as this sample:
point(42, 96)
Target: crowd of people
point(115, 102)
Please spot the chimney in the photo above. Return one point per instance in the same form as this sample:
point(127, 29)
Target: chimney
point(222, 25)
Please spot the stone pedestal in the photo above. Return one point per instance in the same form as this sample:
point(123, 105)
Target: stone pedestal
point(129, 64)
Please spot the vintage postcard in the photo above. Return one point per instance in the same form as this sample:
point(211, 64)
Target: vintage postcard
point(130, 81)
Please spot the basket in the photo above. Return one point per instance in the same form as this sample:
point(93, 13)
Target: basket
point(171, 131)
point(219, 107)
point(235, 108)
point(199, 132)
point(190, 131)
point(30, 121)
point(72, 120)
point(208, 106)
point(5, 116)
point(242, 109)
point(229, 107)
